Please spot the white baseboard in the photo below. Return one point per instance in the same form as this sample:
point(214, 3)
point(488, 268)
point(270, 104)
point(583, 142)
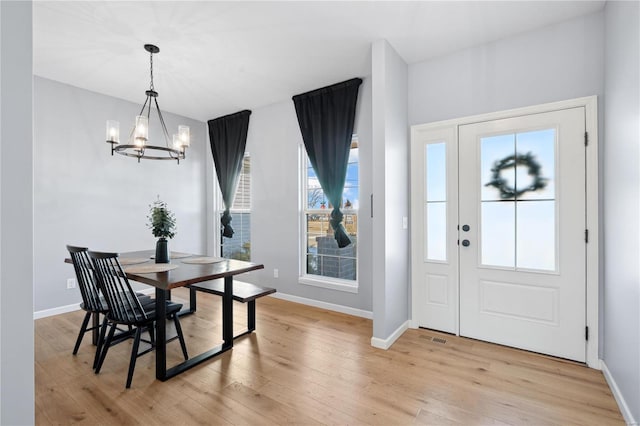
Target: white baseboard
point(622, 404)
point(303, 300)
point(386, 343)
point(56, 311)
point(324, 305)
point(76, 306)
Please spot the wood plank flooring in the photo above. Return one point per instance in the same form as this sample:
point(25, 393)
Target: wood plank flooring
point(309, 366)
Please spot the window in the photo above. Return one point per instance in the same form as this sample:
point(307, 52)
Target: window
point(435, 209)
point(518, 200)
point(239, 246)
point(322, 260)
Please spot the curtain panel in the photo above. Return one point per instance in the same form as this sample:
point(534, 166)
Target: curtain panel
point(228, 139)
point(326, 117)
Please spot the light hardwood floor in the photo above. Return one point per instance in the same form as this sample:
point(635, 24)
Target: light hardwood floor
point(305, 365)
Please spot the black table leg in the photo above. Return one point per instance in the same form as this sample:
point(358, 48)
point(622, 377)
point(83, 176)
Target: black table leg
point(251, 315)
point(162, 372)
point(227, 313)
point(161, 334)
point(95, 334)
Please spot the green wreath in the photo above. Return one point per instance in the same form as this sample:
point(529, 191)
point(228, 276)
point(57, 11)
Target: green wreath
point(507, 192)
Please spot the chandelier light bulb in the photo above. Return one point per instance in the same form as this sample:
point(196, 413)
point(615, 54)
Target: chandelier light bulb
point(177, 142)
point(184, 135)
point(141, 133)
point(113, 131)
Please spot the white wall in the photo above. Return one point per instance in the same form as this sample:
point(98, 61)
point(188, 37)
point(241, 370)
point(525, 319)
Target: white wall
point(622, 200)
point(16, 216)
point(558, 62)
point(84, 196)
point(274, 142)
point(391, 192)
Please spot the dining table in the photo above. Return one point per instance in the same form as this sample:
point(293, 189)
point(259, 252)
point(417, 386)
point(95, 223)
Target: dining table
point(188, 269)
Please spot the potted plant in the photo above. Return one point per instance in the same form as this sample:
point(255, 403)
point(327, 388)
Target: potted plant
point(163, 225)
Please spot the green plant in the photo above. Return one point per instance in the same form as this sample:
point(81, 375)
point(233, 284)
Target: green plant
point(160, 220)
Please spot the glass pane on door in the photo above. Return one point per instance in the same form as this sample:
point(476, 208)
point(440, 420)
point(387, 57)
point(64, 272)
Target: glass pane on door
point(435, 208)
point(536, 173)
point(536, 246)
point(436, 226)
point(498, 234)
point(517, 197)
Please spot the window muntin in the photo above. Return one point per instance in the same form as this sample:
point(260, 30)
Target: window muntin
point(321, 256)
point(435, 208)
point(518, 200)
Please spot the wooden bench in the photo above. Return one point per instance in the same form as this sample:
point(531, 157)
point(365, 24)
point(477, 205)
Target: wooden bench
point(242, 292)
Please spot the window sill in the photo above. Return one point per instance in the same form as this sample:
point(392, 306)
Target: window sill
point(329, 283)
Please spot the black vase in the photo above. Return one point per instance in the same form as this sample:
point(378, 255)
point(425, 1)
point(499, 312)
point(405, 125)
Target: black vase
point(162, 251)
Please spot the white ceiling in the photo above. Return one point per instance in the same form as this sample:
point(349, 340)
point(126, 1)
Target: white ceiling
point(220, 57)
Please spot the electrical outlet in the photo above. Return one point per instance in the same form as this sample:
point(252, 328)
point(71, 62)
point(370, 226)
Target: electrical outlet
point(275, 273)
point(71, 283)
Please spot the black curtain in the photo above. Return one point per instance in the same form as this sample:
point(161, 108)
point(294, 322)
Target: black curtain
point(326, 119)
point(228, 138)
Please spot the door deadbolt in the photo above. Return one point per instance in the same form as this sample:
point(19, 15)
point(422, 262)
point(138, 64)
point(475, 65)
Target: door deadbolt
point(465, 228)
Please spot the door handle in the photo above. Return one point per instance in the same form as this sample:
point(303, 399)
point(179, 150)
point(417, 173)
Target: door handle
point(466, 243)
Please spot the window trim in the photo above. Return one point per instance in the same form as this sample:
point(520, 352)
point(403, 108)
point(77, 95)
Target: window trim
point(321, 281)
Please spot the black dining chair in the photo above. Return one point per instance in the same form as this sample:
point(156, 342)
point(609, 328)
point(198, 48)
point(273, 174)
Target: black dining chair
point(126, 309)
point(92, 301)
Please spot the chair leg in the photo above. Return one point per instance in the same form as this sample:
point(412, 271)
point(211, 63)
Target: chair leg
point(134, 356)
point(105, 347)
point(176, 321)
point(103, 332)
point(83, 329)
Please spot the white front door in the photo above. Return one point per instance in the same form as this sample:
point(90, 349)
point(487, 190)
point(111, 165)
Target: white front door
point(521, 213)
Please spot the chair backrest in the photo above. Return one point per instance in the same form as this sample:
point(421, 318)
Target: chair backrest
point(86, 278)
point(124, 305)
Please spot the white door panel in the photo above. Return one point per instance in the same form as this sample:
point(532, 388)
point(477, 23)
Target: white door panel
point(434, 160)
point(522, 260)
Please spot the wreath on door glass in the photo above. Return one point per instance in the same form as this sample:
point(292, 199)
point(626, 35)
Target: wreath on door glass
point(506, 191)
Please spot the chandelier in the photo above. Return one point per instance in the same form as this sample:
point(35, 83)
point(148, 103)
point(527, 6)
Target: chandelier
point(138, 142)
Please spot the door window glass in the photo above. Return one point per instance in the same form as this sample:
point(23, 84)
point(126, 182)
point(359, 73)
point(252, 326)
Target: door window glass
point(436, 202)
point(518, 201)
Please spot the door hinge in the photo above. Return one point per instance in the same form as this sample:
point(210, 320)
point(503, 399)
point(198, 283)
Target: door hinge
point(586, 235)
point(586, 333)
point(372, 206)
point(586, 138)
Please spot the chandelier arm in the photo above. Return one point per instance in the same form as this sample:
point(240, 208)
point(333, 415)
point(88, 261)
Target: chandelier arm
point(144, 105)
point(164, 130)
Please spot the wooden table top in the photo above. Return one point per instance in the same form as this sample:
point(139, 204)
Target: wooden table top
point(187, 273)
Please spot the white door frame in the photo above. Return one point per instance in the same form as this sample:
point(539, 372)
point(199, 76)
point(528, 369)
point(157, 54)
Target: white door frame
point(590, 104)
